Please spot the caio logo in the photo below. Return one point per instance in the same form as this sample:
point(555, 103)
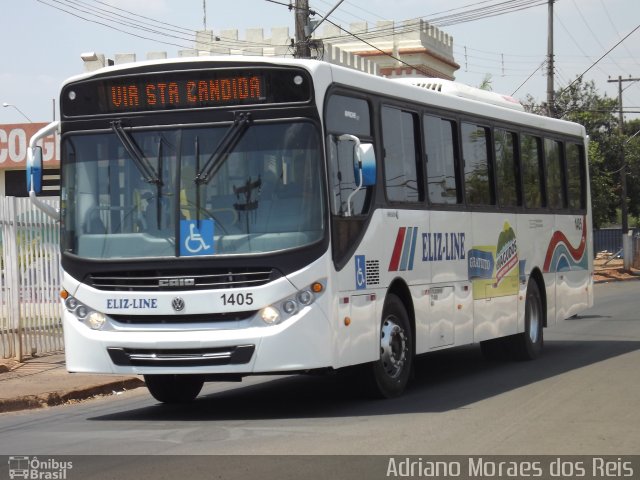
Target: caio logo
point(176, 282)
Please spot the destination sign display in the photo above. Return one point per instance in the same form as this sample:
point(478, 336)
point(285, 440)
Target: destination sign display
point(184, 90)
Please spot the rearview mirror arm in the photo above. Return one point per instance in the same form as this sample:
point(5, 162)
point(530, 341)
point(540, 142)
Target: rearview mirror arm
point(356, 152)
point(45, 207)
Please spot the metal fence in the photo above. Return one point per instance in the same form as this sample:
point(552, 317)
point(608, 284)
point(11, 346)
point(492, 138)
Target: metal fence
point(609, 239)
point(30, 320)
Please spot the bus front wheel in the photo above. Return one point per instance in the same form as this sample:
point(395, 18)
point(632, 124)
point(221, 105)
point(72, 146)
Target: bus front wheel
point(174, 388)
point(390, 374)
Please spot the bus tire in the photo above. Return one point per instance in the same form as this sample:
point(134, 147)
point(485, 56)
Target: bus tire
point(528, 344)
point(390, 374)
point(174, 388)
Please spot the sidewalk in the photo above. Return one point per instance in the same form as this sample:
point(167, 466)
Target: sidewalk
point(611, 270)
point(44, 381)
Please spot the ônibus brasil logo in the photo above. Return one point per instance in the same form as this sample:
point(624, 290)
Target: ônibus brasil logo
point(33, 468)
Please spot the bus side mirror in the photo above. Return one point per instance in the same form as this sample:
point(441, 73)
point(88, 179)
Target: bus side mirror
point(364, 166)
point(367, 163)
point(364, 161)
point(34, 169)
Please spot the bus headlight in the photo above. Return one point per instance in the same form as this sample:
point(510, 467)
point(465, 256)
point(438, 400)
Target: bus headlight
point(89, 317)
point(71, 303)
point(305, 297)
point(270, 315)
point(81, 312)
point(96, 320)
point(290, 306)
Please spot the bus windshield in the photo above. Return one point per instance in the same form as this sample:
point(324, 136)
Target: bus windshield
point(139, 193)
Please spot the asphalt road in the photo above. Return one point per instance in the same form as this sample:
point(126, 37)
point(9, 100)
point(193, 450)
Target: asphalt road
point(581, 397)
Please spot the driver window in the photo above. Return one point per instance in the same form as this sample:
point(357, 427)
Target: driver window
point(346, 115)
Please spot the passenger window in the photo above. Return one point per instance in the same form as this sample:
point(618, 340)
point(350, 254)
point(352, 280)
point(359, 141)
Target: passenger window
point(507, 173)
point(475, 153)
point(442, 181)
point(555, 174)
point(530, 153)
point(575, 176)
point(402, 180)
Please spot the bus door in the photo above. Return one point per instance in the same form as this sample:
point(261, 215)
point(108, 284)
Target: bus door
point(444, 248)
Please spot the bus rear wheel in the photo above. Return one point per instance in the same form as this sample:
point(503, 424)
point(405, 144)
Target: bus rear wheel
point(174, 388)
point(528, 344)
point(390, 374)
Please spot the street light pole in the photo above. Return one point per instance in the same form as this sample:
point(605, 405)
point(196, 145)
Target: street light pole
point(5, 104)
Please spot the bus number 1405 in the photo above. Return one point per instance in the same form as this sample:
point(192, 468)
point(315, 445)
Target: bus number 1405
point(237, 298)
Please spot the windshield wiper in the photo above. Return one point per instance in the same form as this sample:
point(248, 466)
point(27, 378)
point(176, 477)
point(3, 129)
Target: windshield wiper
point(230, 139)
point(136, 154)
point(159, 185)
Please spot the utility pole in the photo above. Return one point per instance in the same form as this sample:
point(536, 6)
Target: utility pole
point(204, 14)
point(623, 169)
point(302, 21)
point(550, 68)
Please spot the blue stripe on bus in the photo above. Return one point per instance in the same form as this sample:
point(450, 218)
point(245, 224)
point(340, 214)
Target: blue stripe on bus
point(406, 248)
point(413, 247)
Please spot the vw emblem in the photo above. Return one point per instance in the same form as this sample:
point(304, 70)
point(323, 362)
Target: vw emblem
point(177, 304)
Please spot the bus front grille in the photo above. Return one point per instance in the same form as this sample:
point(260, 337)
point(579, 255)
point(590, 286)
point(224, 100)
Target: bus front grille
point(179, 319)
point(176, 280)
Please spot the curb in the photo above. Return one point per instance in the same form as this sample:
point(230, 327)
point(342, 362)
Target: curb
point(60, 397)
point(618, 280)
point(7, 365)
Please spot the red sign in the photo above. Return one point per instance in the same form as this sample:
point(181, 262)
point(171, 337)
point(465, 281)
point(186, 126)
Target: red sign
point(14, 142)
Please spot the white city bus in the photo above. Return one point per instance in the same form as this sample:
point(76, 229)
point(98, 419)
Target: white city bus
point(223, 217)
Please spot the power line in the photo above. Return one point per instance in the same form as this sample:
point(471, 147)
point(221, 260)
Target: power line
point(365, 10)
point(615, 29)
point(544, 62)
point(93, 14)
point(604, 55)
point(111, 26)
point(497, 9)
point(378, 49)
point(577, 44)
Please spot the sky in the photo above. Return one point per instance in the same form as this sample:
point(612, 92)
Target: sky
point(41, 45)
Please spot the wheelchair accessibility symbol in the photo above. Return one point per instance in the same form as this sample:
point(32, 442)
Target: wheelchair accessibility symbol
point(196, 238)
point(361, 272)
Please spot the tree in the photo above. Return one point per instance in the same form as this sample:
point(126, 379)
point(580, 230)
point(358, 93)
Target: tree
point(604, 198)
point(487, 83)
point(632, 160)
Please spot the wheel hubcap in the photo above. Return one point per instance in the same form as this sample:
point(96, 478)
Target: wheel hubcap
point(393, 347)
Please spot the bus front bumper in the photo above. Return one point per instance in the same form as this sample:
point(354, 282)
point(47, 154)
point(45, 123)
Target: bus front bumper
point(302, 342)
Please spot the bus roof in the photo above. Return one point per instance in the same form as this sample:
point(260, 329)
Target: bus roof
point(426, 91)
